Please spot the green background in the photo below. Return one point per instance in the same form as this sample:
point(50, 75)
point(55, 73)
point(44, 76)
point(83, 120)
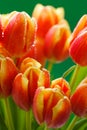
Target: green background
point(74, 9)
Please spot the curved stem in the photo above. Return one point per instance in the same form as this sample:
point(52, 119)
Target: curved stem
point(70, 127)
point(28, 120)
point(68, 71)
point(8, 115)
point(72, 82)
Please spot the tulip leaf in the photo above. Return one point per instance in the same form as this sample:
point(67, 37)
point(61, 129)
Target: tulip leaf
point(81, 74)
point(81, 125)
point(2, 124)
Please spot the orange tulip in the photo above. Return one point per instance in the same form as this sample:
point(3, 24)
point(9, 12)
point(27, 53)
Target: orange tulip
point(26, 83)
point(78, 46)
point(79, 99)
point(51, 106)
point(18, 31)
point(57, 43)
point(8, 71)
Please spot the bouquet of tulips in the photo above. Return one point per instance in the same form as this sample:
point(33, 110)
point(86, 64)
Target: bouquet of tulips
point(29, 98)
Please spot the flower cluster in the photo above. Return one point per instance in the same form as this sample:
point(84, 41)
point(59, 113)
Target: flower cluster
point(26, 43)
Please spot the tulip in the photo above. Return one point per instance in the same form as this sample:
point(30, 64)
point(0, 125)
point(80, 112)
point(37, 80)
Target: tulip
point(31, 77)
point(79, 99)
point(62, 84)
point(57, 43)
point(78, 49)
point(46, 17)
point(51, 106)
point(82, 23)
point(8, 71)
point(78, 45)
point(36, 51)
point(18, 32)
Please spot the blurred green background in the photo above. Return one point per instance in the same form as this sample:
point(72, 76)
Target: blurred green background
point(74, 9)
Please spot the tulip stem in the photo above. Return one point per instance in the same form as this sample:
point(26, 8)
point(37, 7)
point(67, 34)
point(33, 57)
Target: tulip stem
point(75, 74)
point(70, 127)
point(28, 120)
point(8, 115)
point(50, 65)
point(68, 71)
point(45, 128)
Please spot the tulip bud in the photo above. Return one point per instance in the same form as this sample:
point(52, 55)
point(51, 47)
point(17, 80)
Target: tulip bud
point(26, 83)
point(8, 71)
point(78, 48)
point(78, 45)
point(79, 99)
point(82, 23)
point(56, 42)
point(18, 32)
point(46, 17)
point(51, 106)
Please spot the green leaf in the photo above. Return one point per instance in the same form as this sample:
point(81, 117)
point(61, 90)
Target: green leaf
point(2, 124)
point(80, 75)
point(81, 125)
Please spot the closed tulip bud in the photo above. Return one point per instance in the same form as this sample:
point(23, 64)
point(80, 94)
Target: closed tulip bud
point(26, 83)
point(63, 85)
point(8, 71)
point(78, 48)
point(57, 43)
point(46, 17)
point(79, 99)
point(50, 106)
point(82, 23)
point(78, 45)
point(18, 32)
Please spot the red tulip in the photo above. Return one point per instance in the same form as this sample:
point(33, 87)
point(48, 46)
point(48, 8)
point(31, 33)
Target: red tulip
point(78, 46)
point(26, 83)
point(51, 106)
point(18, 31)
point(79, 99)
point(8, 71)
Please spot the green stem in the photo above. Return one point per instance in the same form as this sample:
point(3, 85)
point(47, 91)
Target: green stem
point(28, 120)
point(68, 71)
point(70, 127)
point(45, 128)
point(74, 77)
point(8, 115)
point(50, 65)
